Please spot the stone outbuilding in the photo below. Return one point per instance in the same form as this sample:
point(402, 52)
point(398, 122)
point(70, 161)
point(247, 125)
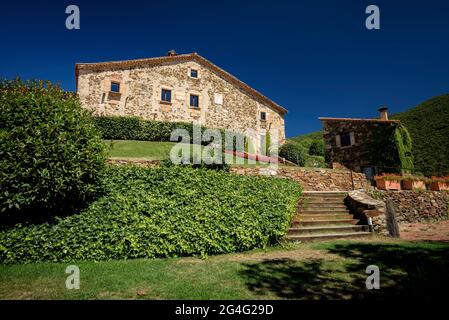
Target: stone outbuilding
point(179, 87)
point(349, 141)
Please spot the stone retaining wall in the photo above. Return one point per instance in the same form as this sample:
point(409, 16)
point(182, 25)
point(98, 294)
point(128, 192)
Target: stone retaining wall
point(312, 179)
point(131, 161)
point(417, 206)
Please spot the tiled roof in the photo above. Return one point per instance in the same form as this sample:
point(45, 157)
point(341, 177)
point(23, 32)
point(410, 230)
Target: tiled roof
point(129, 64)
point(355, 119)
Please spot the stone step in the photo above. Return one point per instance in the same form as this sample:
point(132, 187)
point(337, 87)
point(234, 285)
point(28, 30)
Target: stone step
point(324, 205)
point(318, 237)
point(317, 216)
point(324, 199)
point(322, 211)
point(324, 222)
point(325, 193)
point(327, 229)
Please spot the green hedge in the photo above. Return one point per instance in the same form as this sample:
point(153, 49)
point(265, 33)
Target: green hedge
point(293, 152)
point(134, 128)
point(51, 155)
point(162, 212)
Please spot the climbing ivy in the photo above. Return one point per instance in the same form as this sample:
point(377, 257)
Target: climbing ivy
point(404, 146)
point(390, 149)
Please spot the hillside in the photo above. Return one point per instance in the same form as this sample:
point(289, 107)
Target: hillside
point(428, 124)
point(308, 137)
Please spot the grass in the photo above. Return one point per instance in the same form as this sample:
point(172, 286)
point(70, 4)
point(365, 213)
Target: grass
point(152, 150)
point(139, 149)
point(329, 270)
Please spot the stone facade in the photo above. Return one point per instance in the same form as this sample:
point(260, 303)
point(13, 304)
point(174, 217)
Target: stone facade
point(347, 141)
point(224, 101)
point(312, 179)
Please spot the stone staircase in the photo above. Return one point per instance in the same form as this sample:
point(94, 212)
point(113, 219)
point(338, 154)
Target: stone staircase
point(323, 215)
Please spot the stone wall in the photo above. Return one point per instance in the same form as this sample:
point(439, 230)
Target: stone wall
point(362, 134)
point(416, 206)
point(221, 103)
point(410, 206)
point(135, 162)
point(312, 179)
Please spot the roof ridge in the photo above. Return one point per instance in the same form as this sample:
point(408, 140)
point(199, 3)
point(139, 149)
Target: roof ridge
point(100, 66)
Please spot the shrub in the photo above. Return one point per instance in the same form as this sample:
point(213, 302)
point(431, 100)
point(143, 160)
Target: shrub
point(163, 212)
point(316, 148)
point(51, 156)
point(293, 152)
point(315, 162)
point(134, 128)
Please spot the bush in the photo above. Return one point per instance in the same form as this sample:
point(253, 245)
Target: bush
point(316, 148)
point(51, 156)
point(134, 128)
point(293, 152)
point(315, 162)
point(163, 212)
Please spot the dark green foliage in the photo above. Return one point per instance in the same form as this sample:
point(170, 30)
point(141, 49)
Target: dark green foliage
point(312, 145)
point(51, 156)
point(162, 212)
point(293, 152)
point(308, 138)
point(428, 124)
point(390, 149)
point(134, 128)
point(316, 148)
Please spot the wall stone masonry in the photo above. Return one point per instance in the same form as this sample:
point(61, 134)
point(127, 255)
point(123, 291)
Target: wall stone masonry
point(417, 206)
point(410, 206)
point(312, 179)
point(137, 162)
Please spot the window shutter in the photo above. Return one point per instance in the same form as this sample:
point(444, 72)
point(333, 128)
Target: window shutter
point(338, 140)
point(352, 137)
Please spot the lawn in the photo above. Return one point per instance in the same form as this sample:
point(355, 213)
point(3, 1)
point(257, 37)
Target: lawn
point(328, 270)
point(139, 149)
point(153, 150)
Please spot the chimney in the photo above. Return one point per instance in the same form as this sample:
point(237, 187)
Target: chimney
point(383, 113)
point(172, 53)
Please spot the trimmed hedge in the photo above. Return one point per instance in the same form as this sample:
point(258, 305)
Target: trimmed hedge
point(293, 152)
point(162, 212)
point(51, 155)
point(134, 128)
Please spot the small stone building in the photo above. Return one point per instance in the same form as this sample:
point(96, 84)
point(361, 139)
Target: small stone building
point(349, 142)
point(184, 87)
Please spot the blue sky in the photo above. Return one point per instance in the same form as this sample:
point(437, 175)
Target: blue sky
point(315, 58)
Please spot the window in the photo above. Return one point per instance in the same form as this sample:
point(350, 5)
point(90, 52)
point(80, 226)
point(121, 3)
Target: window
point(345, 139)
point(263, 116)
point(194, 73)
point(115, 87)
point(166, 95)
point(194, 101)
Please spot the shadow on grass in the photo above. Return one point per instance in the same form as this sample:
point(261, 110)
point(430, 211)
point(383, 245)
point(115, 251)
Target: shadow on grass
point(406, 271)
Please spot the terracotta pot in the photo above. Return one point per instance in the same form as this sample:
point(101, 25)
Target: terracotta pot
point(387, 184)
point(439, 186)
point(414, 185)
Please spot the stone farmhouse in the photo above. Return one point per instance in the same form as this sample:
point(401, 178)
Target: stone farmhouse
point(179, 87)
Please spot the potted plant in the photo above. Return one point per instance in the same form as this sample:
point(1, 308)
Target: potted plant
point(388, 182)
point(439, 183)
point(414, 183)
